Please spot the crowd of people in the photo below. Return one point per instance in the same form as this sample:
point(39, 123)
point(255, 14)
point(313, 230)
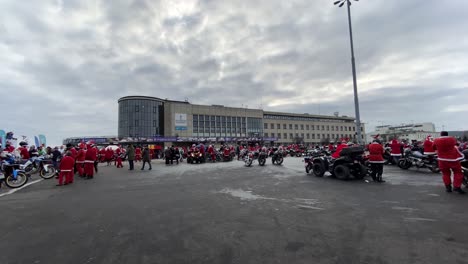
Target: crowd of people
point(83, 159)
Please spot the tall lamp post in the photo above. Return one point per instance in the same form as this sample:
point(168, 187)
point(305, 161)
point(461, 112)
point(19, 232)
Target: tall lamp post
point(340, 3)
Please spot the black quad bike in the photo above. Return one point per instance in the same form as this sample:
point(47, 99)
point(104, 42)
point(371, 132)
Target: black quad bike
point(351, 163)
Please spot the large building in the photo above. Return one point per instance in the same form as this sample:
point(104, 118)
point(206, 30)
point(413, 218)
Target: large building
point(169, 120)
point(417, 131)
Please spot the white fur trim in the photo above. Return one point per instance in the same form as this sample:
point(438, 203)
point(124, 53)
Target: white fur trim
point(378, 162)
point(430, 153)
point(395, 155)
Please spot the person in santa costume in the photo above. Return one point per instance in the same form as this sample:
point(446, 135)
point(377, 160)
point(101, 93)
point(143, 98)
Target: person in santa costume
point(396, 150)
point(90, 158)
point(339, 148)
point(428, 146)
point(211, 152)
point(137, 154)
point(449, 161)
point(376, 160)
point(66, 169)
point(80, 158)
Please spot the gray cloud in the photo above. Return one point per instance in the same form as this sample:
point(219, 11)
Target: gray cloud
point(65, 63)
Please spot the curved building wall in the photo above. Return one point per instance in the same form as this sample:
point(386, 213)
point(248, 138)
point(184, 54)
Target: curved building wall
point(141, 116)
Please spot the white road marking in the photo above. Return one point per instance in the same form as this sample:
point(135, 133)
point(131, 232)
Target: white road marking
point(403, 208)
point(309, 207)
point(413, 219)
point(24, 186)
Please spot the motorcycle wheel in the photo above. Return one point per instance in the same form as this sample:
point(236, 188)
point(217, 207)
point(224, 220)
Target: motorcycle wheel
point(465, 179)
point(361, 172)
point(341, 172)
point(21, 179)
point(435, 168)
point(308, 168)
point(48, 175)
point(318, 170)
point(404, 164)
point(279, 161)
point(261, 162)
point(29, 169)
point(248, 162)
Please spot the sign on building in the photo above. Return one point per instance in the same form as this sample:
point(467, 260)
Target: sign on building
point(180, 121)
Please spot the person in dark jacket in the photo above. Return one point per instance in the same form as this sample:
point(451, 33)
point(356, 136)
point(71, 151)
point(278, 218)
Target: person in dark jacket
point(146, 158)
point(56, 155)
point(130, 156)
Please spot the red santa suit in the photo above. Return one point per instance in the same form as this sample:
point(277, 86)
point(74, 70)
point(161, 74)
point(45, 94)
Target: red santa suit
point(212, 153)
point(449, 160)
point(109, 154)
point(396, 148)
point(138, 154)
point(340, 147)
point(74, 152)
point(428, 146)
point(80, 158)
point(376, 153)
point(24, 152)
point(90, 157)
point(66, 170)
point(10, 149)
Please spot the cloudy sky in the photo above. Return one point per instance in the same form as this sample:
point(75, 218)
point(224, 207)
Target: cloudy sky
point(65, 63)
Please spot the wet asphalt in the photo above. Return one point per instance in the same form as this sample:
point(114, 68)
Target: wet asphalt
point(227, 213)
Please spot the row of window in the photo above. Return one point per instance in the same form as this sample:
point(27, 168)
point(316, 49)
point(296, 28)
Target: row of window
point(309, 127)
point(226, 124)
point(303, 118)
point(308, 136)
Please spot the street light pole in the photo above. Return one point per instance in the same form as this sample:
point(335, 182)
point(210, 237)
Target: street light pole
point(353, 63)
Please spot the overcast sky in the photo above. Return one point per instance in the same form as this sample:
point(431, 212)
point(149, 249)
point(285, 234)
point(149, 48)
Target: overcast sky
point(64, 64)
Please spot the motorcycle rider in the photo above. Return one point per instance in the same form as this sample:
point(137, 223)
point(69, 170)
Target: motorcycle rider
point(340, 147)
point(449, 161)
point(376, 160)
point(428, 146)
point(24, 153)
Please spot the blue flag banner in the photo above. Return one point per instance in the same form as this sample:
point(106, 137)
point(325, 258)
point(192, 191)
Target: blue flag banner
point(2, 137)
point(36, 140)
point(42, 140)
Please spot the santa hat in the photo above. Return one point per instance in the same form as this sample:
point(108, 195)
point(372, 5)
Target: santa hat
point(429, 137)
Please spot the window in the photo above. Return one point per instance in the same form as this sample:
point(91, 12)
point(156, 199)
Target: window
point(279, 135)
point(290, 135)
point(266, 135)
point(313, 136)
point(318, 136)
point(154, 123)
point(328, 128)
point(297, 134)
point(265, 126)
point(137, 123)
point(328, 135)
point(302, 127)
point(345, 128)
point(284, 126)
point(308, 136)
point(137, 108)
point(302, 135)
point(285, 135)
point(323, 135)
point(278, 126)
point(272, 135)
point(307, 127)
point(323, 127)
point(272, 126)
point(313, 127)
point(341, 127)
point(333, 128)
point(296, 127)
point(354, 129)
point(155, 109)
point(290, 126)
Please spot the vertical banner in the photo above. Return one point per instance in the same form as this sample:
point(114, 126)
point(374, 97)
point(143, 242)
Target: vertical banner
point(36, 141)
point(180, 121)
point(42, 140)
point(3, 138)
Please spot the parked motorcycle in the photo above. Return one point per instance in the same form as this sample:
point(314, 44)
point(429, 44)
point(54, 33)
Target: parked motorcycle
point(11, 174)
point(39, 165)
point(415, 158)
point(262, 156)
point(277, 157)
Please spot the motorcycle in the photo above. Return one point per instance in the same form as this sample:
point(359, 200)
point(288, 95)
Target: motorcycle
point(464, 165)
point(415, 158)
point(250, 157)
point(195, 157)
point(277, 157)
point(11, 174)
point(388, 158)
point(262, 156)
point(39, 165)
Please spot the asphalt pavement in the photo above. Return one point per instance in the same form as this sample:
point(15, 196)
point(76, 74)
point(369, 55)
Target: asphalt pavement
point(227, 213)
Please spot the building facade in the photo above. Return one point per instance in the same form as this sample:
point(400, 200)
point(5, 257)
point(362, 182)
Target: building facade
point(142, 116)
point(409, 132)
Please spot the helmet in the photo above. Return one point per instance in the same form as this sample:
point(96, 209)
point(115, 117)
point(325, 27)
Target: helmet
point(22, 143)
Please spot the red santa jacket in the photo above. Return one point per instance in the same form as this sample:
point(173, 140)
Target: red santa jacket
point(210, 150)
point(429, 148)
point(74, 153)
point(67, 163)
point(91, 154)
point(24, 152)
point(138, 152)
point(80, 156)
point(376, 153)
point(338, 150)
point(109, 153)
point(396, 148)
point(446, 149)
